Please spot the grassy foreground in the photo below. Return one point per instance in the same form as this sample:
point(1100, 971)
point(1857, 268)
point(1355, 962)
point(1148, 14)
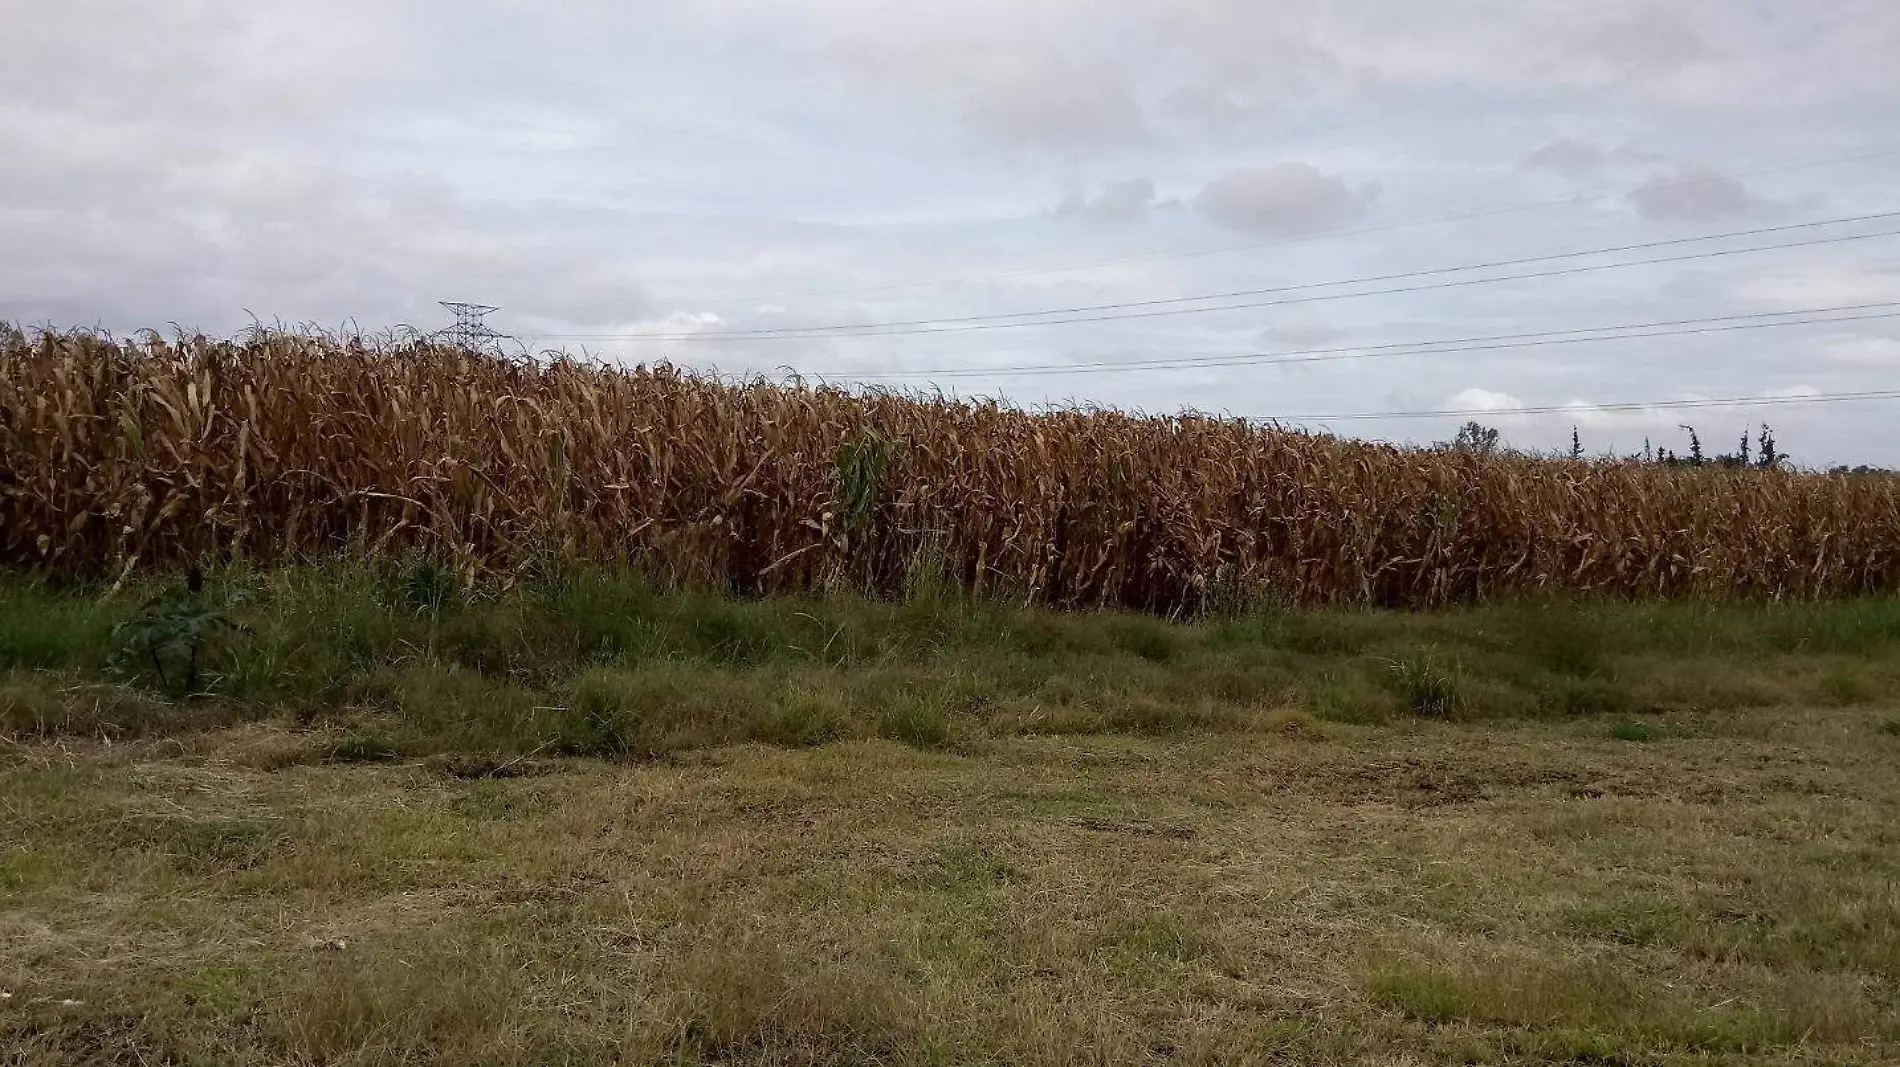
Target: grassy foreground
point(593, 663)
point(539, 827)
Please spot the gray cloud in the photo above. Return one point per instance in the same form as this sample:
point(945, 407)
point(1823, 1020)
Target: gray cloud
point(1012, 94)
point(601, 168)
point(1055, 106)
point(1648, 39)
point(1086, 76)
point(1298, 328)
point(1699, 194)
point(1677, 192)
point(1230, 67)
point(1282, 200)
point(1576, 157)
point(174, 233)
point(1119, 203)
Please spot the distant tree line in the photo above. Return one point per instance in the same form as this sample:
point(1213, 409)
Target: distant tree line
point(1761, 452)
point(1767, 455)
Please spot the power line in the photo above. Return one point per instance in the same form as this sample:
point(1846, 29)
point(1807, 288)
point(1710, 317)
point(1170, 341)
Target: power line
point(1579, 408)
point(1492, 342)
point(1364, 280)
point(1144, 310)
point(1329, 232)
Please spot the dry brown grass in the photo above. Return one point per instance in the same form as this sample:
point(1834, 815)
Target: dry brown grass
point(147, 453)
point(1433, 894)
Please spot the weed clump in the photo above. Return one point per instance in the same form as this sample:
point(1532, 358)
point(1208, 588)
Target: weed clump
point(1585, 696)
point(175, 636)
point(1427, 683)
point(365, 748)
point(917, 723)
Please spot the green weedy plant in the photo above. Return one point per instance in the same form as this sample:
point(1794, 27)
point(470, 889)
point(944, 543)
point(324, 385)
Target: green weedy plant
point(1226, 595)
point(927, 579)
point(861, 465)
point(1427, 683)
point(918, 722)
point(174, 636)
point(426, 585)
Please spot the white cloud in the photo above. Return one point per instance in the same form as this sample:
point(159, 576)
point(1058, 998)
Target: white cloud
point(1881, 353)
point(1585, 415)
point(1791, 391)
point(1474, 398)
point(1821, 284)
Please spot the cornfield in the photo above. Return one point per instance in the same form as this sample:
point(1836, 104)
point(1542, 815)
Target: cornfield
point(117, 455)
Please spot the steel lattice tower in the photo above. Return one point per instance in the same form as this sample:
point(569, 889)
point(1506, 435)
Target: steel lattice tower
point(469, 331)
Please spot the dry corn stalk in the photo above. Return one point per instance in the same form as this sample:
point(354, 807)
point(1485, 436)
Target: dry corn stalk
point(117, 454)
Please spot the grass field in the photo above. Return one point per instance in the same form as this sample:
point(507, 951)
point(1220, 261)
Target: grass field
point(1722, 892)
point(584, 821)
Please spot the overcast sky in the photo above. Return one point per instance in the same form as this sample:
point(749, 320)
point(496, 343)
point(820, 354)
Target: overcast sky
point(613, 168)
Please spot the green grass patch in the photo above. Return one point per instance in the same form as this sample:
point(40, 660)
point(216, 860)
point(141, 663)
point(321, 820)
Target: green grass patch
point(1160, 939)
point(209, 845)
point(1421, 994)
point(960, 869)
point(362, 747)
point(599, 662)
point(1625, 920)
point(917, 723)
point(1631, 730)
point(1427, 683)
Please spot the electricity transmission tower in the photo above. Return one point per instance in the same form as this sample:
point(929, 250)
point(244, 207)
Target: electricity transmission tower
point(469, 331)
